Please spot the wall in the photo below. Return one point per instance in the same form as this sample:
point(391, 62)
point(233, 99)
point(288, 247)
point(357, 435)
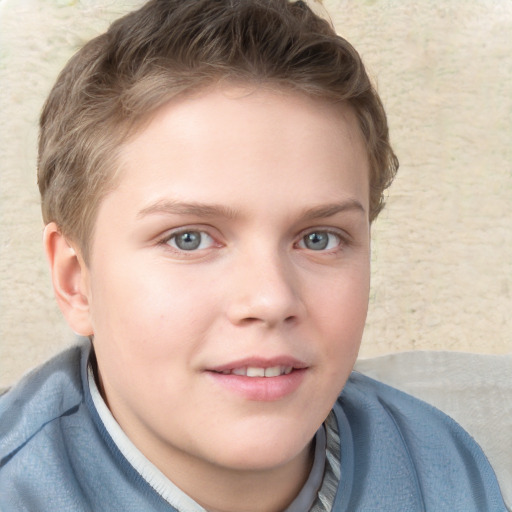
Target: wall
point(442, 249)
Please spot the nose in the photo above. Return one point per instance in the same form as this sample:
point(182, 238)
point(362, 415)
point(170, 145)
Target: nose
point(264, 290)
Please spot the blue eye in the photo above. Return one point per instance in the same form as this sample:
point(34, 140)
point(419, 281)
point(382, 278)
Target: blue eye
point(320, 241)
point(190, 240)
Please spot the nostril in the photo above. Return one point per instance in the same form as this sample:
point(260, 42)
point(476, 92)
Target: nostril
point(253, 320)
point(250, 320)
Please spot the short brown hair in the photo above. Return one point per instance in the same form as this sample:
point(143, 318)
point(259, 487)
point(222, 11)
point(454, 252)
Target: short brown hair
point(169, 47)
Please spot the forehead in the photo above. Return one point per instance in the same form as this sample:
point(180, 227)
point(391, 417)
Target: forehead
point(240, 143)
point(265, 107)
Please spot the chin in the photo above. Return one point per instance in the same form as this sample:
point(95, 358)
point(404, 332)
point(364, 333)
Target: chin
point(265, 449)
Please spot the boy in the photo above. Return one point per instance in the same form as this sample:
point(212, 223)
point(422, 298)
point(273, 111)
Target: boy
point(209, 171)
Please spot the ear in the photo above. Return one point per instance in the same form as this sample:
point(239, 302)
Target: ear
point(70, 280)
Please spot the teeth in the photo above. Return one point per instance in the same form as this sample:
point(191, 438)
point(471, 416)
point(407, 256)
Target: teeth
point(254, 371)
point(274, 371)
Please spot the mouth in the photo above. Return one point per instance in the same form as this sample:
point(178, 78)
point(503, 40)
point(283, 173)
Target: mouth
point(261, 380)
point(258, 371)
point(260, 367)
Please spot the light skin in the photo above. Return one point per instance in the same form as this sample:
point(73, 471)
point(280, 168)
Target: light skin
point(238, 237)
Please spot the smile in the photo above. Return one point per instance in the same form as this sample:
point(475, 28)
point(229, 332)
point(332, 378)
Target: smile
point(260, 379)
point(254, 371)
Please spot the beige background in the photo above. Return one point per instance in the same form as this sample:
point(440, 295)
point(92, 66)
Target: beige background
point(442, 250)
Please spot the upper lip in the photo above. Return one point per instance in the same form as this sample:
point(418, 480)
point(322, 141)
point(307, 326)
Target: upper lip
point(260, 362)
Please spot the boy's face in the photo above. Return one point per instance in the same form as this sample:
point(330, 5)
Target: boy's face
point(237, 242)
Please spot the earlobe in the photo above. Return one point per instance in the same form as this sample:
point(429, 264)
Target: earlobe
point(69, 278)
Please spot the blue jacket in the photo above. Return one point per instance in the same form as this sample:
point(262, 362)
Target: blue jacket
point(397, 453)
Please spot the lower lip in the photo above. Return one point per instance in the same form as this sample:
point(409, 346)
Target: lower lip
point(261, 389)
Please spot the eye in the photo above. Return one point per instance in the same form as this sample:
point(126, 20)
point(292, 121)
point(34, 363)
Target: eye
point(190, 240)
point(320, 241)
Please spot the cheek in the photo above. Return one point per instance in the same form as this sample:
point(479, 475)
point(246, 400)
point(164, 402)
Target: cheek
point(341, 314)
point(147, 311)
point(144, 331)
point(139, 292)
point(344, 298)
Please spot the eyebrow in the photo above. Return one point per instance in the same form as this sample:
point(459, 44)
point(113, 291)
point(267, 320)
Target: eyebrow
point(329, 210)
point(166, 207)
